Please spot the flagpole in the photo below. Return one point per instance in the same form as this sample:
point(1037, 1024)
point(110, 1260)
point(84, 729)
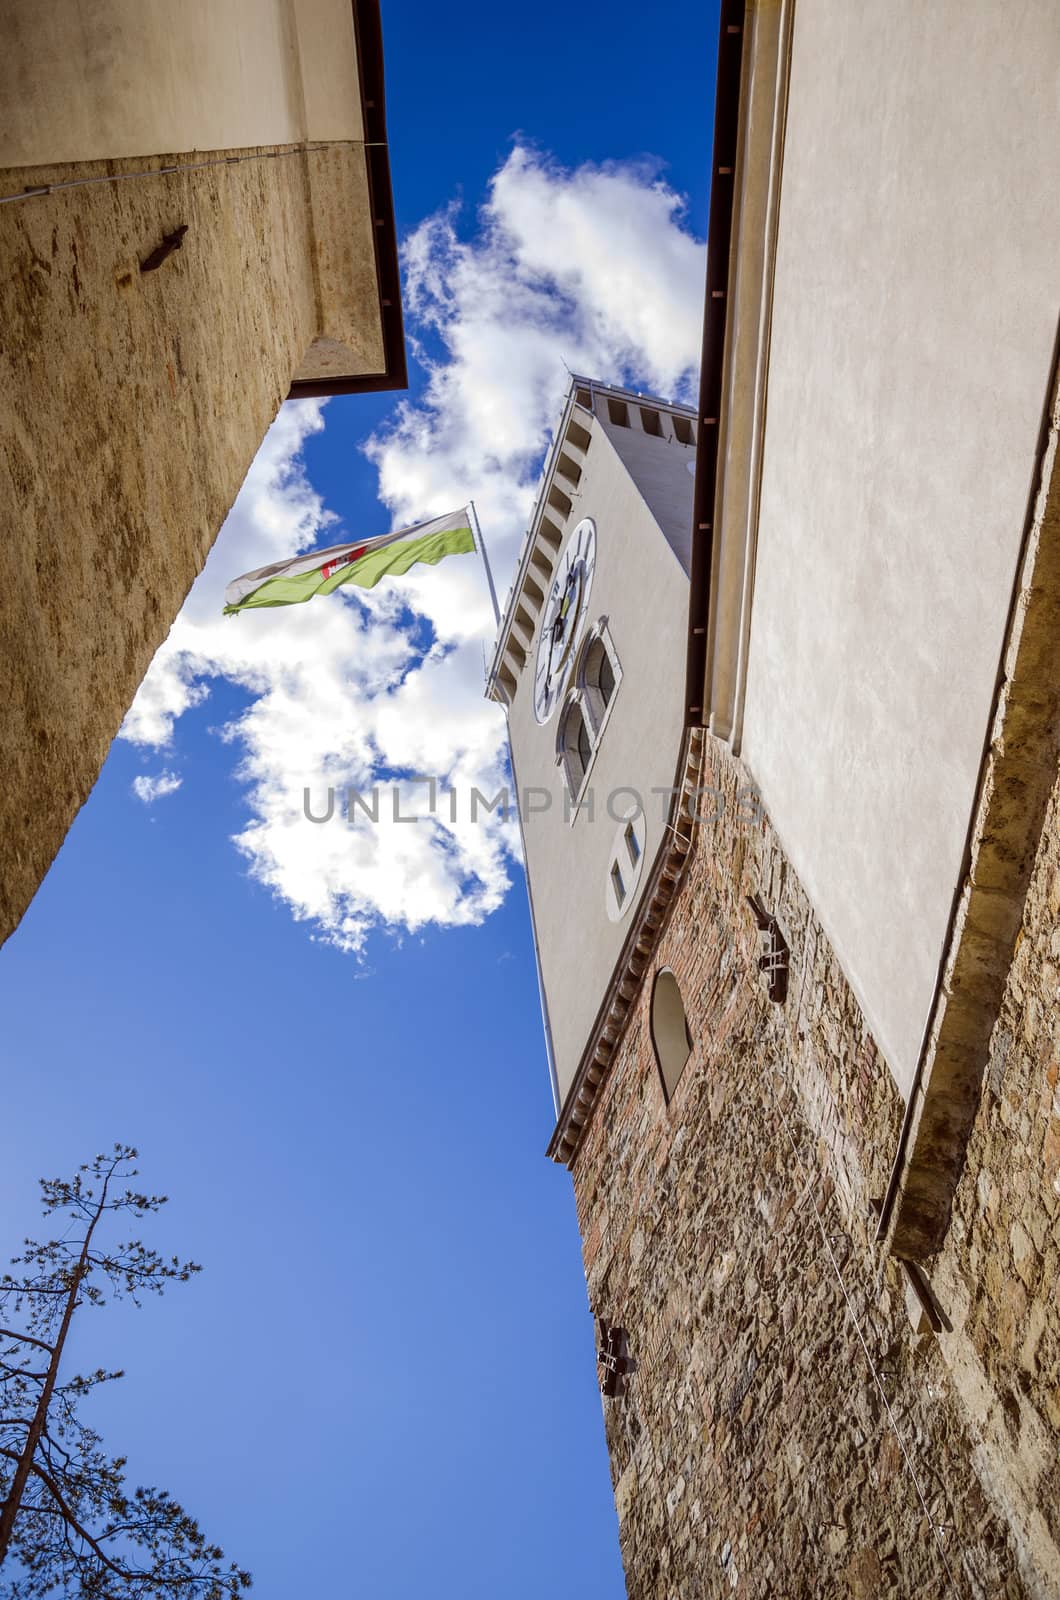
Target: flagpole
point(480, 545)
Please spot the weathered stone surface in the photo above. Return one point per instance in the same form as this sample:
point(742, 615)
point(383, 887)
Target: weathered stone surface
point(829, 1450)
point(996, 1275)
point(132, 405)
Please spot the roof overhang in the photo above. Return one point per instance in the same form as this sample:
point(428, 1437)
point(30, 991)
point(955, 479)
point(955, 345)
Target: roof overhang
point(754, 52)
point(368, 29)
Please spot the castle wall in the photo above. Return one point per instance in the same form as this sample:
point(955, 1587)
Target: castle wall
point(133, 404)
point(786, 1431)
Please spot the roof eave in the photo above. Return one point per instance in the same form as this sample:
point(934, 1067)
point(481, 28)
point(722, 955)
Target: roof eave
point(368, 28)
point(715, 323)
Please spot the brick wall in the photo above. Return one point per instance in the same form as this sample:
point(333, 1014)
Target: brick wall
point(786, 1431)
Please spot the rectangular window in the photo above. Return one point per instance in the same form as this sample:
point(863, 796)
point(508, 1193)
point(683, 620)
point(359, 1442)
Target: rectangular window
point(569, 469)
point(683, 430)
point(632, 844)
point(578, 437)
point(617, 884)
point(618, 411)
point(650, 422)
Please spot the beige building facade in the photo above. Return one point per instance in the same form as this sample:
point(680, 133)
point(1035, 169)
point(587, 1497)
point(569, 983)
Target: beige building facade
point(902, 314)
point(116, 79)
point(806, 1071)
point(195, 224)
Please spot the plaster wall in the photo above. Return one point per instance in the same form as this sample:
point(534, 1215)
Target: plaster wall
point(124, 78)
point(665, 489)
point(641, 587)
point(915, 312)
point(132, 405)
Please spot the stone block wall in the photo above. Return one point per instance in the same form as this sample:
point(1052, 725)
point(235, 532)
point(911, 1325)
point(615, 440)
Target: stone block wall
point(997, 1274)
point(787, 1432)
point(131, 406)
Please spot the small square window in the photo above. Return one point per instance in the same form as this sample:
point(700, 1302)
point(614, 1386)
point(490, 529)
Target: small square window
point(616, 882)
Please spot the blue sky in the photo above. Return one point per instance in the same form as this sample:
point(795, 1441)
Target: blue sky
point(328, 1048)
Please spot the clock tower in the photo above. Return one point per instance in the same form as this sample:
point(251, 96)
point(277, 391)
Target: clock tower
point(586, 668)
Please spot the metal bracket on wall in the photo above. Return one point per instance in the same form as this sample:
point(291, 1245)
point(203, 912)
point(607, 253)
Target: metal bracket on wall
point(775, 962)
point(616, 1363)
point(171, 242)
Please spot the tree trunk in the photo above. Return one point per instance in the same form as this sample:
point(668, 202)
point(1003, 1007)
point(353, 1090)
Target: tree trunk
point(10, 1508)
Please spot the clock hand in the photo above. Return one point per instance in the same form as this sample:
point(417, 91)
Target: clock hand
point(551, 646)
point(572, 578)
point(557, 628)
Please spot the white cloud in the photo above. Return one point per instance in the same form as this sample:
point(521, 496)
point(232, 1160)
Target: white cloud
point(152, 787)
point(591, 268)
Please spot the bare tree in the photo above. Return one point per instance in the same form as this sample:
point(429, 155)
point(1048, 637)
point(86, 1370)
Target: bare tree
point(67, 1522)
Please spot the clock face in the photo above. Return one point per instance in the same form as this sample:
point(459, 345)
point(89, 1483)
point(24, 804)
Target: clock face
point(563, 619)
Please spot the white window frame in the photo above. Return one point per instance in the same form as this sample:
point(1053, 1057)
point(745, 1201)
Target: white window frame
point(575, 772)
point(582, 698)
point(599, 634)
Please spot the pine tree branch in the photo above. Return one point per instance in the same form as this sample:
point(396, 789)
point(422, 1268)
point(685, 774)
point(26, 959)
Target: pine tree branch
point(61, 1509)
point(72, 1522)
point(20, 1372)
point(27, 1338)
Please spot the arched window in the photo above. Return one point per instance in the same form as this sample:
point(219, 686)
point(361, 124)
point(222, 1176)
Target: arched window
point(598, 675)
point(670, 1037)
point(589, 700)
point(574, 745)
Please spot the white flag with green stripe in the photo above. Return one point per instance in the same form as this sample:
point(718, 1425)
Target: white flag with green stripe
point(288, 583)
